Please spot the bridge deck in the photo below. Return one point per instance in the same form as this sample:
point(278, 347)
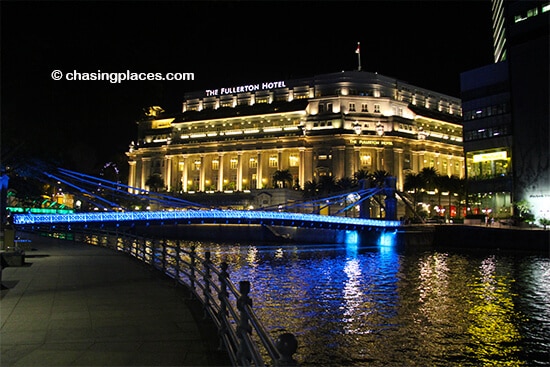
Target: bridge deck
point(210, 216)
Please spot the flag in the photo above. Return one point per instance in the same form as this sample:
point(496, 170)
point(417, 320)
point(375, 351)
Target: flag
point(358, 50)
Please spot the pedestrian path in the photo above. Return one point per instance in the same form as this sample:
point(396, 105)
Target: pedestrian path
point(73, 304)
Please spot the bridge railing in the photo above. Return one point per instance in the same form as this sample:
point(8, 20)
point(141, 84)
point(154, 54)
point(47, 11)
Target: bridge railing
point(242, 334)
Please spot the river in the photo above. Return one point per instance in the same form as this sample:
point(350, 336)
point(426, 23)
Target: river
point(381, 305)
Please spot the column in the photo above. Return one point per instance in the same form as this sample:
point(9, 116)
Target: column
point(259, 172)
point(379, 159)
point(145, 169)
point(356, 159)
point(279, 159)
point(399, 167)
point(131, 176)
point(202, 175)
point(185, 173)
point(301, 167)
point(340, 164)
point(168, 172)
point(220, 172)
point(239, 171)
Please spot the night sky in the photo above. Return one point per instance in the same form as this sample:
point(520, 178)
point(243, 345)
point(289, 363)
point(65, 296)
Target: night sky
point(85, 124)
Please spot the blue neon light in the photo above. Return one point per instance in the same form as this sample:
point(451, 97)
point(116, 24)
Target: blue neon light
point(25, 219)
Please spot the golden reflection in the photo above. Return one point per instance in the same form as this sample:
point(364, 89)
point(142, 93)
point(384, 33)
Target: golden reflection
point(493, 333)
point(353, 296)
point(434, 286)
point(279, 254)
point(252, 256)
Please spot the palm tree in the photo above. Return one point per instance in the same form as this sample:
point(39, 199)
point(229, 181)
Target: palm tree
point(429, 177)
point(415, 183)
point(310, 189)
point(326, 184)
point(282, 177)
point(379, 177)
point(155, 182)
point(361, 175)
point(346, 183)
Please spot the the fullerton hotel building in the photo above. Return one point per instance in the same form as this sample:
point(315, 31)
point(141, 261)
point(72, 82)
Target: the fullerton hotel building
point(235, 138)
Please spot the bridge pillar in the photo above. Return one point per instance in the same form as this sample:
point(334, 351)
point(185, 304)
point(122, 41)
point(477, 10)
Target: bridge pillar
point(364, 207)
point(391, 200)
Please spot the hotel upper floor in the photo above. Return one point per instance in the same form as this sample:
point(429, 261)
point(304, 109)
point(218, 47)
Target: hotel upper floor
point(333, 124)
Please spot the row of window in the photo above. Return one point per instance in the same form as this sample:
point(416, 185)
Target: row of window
point(494, 110)
point(327, 107)
point(533, 12)
point(273, 162)
point(487, 133)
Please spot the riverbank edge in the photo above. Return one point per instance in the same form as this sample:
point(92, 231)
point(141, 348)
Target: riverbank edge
point(472, 237)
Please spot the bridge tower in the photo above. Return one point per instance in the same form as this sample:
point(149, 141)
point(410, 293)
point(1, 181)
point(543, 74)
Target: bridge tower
point(364, 207)
point(391, 199)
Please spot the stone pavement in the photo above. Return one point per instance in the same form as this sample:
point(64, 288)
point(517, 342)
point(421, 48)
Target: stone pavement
point(73, 304)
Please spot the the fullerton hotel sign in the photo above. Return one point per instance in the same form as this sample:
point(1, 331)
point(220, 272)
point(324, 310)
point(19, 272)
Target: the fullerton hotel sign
point(245, 88)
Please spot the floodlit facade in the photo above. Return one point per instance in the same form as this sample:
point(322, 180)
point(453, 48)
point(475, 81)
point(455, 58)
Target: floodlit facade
point(234, 138)
point(506, 120)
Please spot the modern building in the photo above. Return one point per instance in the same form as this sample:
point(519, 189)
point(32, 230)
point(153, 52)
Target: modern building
point(506, 114)
point(235, 138)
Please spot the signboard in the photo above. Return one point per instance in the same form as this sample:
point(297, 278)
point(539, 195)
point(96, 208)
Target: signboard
point(493, 156)
point(245, 88)
point(370, 142)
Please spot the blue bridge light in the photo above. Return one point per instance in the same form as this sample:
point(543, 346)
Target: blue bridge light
point(204, 215)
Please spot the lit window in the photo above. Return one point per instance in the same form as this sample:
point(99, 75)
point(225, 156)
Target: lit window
point(253, 163)
point(197, 165)
point(273, 161)
point(293, 160)
point(215, 164)
point(366, 160)
point(233, 163)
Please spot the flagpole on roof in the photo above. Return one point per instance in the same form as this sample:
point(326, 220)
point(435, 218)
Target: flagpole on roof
point(358, 52)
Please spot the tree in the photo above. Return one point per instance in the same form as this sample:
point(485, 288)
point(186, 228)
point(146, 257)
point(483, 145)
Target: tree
point(155, 182)
point(415, 183)
point(379, 177)
point(346, 183)
point(281, 178)
point(429, 178)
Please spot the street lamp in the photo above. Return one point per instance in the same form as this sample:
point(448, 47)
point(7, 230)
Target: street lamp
point(379, 129)
point(422, 134)
point(357, 128)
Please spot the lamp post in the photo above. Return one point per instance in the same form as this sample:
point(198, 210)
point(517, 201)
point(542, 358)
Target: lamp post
point(379, 129)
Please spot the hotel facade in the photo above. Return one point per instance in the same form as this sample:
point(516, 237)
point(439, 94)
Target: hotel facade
point(235, 138)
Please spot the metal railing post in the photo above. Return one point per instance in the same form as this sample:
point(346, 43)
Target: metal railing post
point(287, 345)
point(223, 297)
point(193, 256)
point(207, 281)
point(244, 326)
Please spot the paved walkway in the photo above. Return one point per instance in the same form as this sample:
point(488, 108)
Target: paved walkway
point(78, 305)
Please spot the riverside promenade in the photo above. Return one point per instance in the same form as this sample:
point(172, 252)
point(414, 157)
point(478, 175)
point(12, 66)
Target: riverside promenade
point(73, 304)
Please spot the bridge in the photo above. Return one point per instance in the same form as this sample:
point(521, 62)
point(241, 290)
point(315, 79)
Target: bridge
point(307, 214)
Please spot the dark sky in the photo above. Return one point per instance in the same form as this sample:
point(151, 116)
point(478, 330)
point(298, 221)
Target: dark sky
point(223, 43)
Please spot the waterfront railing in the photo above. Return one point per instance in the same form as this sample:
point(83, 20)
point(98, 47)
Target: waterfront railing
point(242, 334)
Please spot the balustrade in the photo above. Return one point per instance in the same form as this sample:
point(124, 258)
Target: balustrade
point(228, 307)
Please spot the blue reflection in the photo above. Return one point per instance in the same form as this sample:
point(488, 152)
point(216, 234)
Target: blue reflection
point(352, 240)
point(387, 239)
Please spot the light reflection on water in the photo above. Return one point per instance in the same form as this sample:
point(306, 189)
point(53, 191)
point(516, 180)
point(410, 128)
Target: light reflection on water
point(383, 306)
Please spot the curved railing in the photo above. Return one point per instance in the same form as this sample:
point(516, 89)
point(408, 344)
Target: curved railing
point(242, 334)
